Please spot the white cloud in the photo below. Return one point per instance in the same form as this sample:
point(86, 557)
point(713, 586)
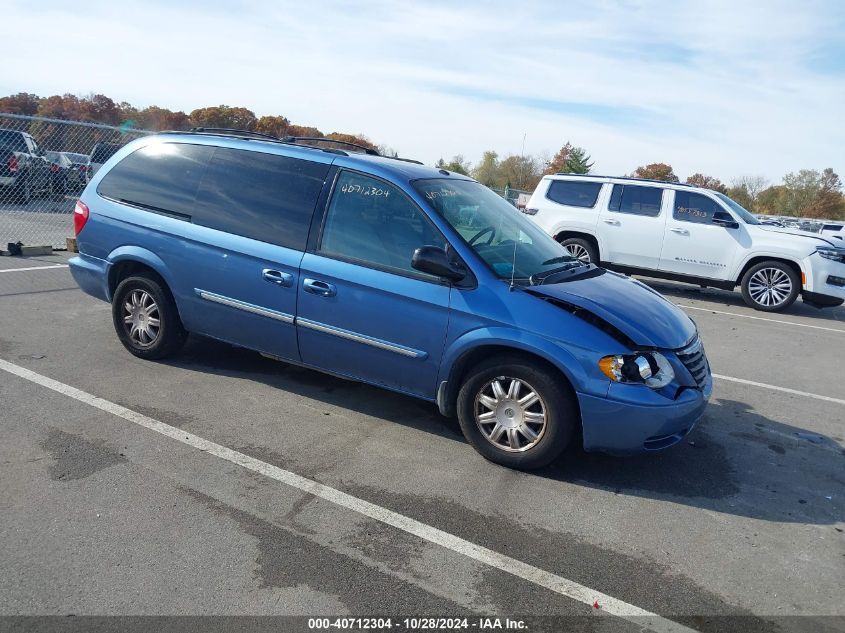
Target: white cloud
point(721, 87)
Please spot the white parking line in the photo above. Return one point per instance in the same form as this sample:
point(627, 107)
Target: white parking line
point(794, 392)
point(548, 580)
point(756, 318)
point(23, 270)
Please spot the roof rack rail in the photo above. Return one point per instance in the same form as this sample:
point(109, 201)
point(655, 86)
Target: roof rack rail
point(233, 132)
point(662, 182)
point(297, 139)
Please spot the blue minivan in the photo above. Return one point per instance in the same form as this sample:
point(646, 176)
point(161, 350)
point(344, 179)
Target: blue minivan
point(392, 273)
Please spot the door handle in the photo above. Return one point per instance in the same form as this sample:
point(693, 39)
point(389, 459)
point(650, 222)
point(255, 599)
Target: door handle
point(277, 277)
point(317, 287)
point(679, 231)
point(613, 222)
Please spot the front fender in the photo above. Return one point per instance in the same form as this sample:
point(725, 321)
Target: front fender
point(571, 361)
point(140, 255)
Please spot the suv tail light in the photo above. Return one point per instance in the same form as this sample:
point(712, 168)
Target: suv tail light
point(54, 168)
point(13, 163)
point(80, 216)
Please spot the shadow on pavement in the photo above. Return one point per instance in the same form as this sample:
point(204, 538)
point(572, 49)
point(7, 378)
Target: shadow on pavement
point(736, 461)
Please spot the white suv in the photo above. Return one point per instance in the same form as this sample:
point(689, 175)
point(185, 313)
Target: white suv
point(689, 234)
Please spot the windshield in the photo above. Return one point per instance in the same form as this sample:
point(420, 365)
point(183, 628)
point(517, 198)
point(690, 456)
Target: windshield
point(747, 216)
point(500, 234)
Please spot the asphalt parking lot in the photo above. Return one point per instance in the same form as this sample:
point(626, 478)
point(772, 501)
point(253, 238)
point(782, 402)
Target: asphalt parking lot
point(105, 509)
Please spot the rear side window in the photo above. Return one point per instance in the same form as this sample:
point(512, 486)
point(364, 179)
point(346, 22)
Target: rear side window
point(9, 139)
point(574, 193)
point(693, 207)
point(103, 151)
point(264, 197)
point(636, 199)
point(163, 177)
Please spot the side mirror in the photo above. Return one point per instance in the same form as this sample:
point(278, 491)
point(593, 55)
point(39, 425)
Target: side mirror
point(725, 222)
point(435, 261)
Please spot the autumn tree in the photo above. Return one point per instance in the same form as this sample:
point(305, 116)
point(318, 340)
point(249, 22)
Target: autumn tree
point(656, 171)
point(487, 170)
point(21, 103)
point(224, 116)
point(739, 193)
point(357, 139)
point(273, 125)
point(772, 200)
point(753, 185)
point(707, 182)
point(519, 172)
point(570, 160)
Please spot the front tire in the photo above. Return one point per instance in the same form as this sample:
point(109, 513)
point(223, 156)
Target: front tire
point(770, 286)
point(146, 319)
point(581, 249)
point(516, 413)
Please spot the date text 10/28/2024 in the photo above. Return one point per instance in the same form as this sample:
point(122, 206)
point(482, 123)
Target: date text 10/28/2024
point(416, 624)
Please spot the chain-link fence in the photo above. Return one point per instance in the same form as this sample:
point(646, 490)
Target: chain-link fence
point(44, 165)
point(517, 197)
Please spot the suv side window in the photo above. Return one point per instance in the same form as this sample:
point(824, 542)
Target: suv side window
point(694, 207)
point(636, 199)
point(372, 222)
point(574, 193)
point(163, 177)
point(264, 197)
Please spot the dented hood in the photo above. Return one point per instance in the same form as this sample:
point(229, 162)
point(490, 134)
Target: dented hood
point(630, 306)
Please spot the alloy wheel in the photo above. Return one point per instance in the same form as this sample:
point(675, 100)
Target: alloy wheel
point(770, 287)
point(141, 318)
point(578, 252)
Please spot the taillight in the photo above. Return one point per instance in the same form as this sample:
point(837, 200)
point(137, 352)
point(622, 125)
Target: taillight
point(83, 168)
point(13, 163)
point(80, 216)
point(54, 168)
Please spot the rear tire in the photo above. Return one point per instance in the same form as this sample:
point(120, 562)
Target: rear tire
point(581, 249)
point(513, 428)
point(146, 319)
point(770, 286)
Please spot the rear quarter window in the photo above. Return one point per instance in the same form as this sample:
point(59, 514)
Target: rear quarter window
point(163, 177)
point(574, 193)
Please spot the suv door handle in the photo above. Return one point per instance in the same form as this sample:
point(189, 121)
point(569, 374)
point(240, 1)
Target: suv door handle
point(613, 222)
point(679, 231)
point(277, 277)
point(317, 287)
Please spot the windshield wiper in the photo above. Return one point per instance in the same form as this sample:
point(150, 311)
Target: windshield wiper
point(558, 260)
point(538, 279)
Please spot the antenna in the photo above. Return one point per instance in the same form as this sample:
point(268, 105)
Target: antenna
point(513, 263)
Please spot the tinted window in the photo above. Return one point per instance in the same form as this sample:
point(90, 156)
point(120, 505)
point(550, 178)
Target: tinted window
point(9, 139)
point(636, 199)
point(574, 193)
point(162, 177)
point(373, 222)
point(261, 196)
point(694, 207)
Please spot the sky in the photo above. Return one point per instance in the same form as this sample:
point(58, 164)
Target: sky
point(728, 89)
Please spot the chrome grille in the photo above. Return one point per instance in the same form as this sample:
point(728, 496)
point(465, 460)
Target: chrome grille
point(693, 358)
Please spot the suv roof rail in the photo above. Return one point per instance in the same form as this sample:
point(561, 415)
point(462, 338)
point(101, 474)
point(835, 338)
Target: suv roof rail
point(662, 182)
point(228, 131)
point(323, 139)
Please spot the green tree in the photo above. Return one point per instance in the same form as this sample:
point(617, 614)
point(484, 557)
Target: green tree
point(457, 165)
point(740, 194)
point(656, 171)
point(578, 162)
point(707, 182)
point(224, 116)
point(487, 171)
point(772, 200)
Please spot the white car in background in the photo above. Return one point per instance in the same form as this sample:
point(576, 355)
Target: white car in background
point(688, 234)
point(835, 231)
